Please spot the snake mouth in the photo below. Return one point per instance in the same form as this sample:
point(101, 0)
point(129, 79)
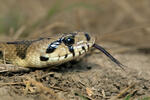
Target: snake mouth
point(77, 50)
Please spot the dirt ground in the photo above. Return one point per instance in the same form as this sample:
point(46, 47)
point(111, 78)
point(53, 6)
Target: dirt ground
point(122, 27)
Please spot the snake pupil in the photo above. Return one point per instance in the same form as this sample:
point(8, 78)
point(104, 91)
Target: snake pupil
point(68, 41)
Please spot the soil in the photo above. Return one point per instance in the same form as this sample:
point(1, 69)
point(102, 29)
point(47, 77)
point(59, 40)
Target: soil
point(73, 80)
point(94, 77)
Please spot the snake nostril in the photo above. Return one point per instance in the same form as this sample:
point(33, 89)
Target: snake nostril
point(66, 55)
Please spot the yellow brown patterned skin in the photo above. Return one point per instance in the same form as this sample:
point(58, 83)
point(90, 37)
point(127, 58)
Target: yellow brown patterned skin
point(46, 52)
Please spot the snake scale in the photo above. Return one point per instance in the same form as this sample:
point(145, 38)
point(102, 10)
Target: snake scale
point(47, 52)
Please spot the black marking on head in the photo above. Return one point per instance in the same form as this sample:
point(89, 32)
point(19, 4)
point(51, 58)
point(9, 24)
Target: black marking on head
point(1, 55)
point(66, 55)
point(71, 49)
point(24, 42)
point(51, 48)
point(22, 54)
point(42, 58)
point(79, 53)
point(83, 48)
point(88, 38)
point(22, 46)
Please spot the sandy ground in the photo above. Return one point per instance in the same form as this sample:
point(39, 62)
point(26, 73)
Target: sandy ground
point(97, 79)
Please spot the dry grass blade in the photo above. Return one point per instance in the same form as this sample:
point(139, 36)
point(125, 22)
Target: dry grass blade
point(11, 68)
point(19, 32)
point(16, 83)
point(124, 90)
point(89, 91)
point(42, 88)
point(129, 9)
point(122, 93)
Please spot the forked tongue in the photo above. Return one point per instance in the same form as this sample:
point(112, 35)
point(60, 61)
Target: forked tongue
point(109, 55)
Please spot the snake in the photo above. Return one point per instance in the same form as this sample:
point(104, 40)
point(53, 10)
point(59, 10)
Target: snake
point(49, 52)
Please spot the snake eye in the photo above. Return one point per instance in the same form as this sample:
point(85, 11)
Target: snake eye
point(69, 40)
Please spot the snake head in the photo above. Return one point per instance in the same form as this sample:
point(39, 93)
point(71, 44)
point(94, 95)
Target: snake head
point(67, 47)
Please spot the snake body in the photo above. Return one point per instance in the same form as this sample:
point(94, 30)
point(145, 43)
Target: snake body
point(46, 52)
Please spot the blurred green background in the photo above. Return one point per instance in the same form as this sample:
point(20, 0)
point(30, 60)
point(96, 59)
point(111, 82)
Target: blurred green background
point(122, 21)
